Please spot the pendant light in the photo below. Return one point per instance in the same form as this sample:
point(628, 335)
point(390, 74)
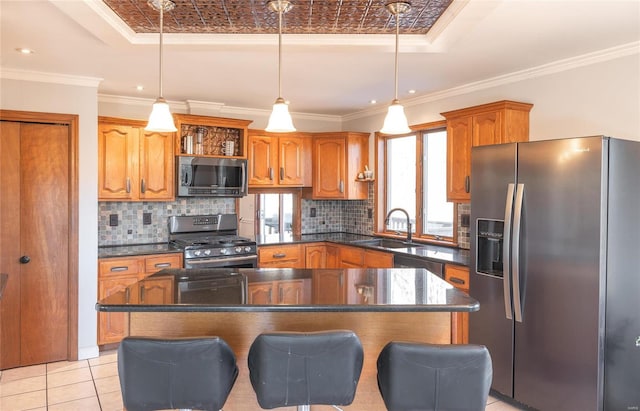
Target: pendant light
point(396, 121)
point(280, 119)
point(160, 118)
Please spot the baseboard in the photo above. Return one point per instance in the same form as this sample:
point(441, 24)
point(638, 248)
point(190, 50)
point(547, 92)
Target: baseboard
point(85, 353)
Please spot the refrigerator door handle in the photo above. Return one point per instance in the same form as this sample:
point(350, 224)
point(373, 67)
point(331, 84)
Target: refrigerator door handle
point(517, 301)
point(506, 251)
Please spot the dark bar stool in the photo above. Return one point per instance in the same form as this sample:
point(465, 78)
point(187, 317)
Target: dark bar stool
point(188, 373)
point(420, 377)
point(302, 369)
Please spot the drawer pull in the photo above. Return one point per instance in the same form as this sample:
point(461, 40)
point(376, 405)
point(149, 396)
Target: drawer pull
point(162, 265)
point(279, 255)
point(456, 280)
point(118, 269)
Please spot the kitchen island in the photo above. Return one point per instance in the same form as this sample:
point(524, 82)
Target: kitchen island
point(379, 305)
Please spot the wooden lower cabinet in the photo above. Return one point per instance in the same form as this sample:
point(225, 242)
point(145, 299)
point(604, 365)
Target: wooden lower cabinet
point(279, 292)
point(458, 276)
point(315, 255)
point(117, 274)
point(281, 256)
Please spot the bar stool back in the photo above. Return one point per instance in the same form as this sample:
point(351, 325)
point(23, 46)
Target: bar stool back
point(303, 369)
point(414, 376)
point(189, 373)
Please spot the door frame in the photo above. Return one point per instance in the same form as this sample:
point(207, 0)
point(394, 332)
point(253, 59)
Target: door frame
point(71, 121)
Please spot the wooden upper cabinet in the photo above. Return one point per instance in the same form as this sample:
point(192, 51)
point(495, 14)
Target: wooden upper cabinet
point(133, 164)
point(279, 159)
point(337, 160)
point(495, 123)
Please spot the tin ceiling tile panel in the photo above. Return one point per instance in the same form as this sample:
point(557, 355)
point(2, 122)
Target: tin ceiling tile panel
point(254, 17)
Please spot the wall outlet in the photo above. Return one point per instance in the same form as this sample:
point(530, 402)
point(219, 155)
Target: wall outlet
point(146, 218)
point(113, 220)
point(369, 213)
point(313, 211)
point(464, 220)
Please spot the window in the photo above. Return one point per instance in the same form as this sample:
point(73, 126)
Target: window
point(414, 168)
point(276, 213)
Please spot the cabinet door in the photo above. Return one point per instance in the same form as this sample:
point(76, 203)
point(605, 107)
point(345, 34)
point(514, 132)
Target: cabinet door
point(157, 168)
point(263, 160)
point(156, 291)
point(328, 287)
point(315, 256)
point(351, 257)
point(290, 158)
point(117, 162)
point(329, 167)
point(112, 327)
point(260, 293)
point(333, 256)
point(459, 278)
point(487, 128)
point(292, 292)
point(378, 259)
point(459, 133)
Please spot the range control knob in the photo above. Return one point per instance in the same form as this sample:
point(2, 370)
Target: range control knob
point(196, 252)
point(238, 249)
point(247, 249)
point(207, 252)
point(224, 251)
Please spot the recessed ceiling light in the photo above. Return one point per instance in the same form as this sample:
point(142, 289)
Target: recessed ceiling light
point(139, 88)
point(24, 50)
point(412, 91)
point(373, 102)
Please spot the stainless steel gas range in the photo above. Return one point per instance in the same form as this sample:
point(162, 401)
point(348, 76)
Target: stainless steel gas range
point(212, 241)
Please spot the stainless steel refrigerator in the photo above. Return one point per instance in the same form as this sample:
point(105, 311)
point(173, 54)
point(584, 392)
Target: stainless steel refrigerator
point(555, 264)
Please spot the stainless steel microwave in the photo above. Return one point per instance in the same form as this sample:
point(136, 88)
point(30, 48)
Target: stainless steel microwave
point(211, 177)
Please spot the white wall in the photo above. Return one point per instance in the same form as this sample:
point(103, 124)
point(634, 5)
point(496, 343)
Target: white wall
point(81, 100)
point(599, 98)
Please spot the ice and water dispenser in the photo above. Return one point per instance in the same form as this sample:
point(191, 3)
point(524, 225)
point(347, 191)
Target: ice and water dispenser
point(489, 247)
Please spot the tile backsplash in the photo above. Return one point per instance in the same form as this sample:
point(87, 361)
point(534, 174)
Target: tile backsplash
point(131, 230)
point(330, 216)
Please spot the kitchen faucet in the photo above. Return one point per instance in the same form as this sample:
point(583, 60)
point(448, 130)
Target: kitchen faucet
point(386, 221)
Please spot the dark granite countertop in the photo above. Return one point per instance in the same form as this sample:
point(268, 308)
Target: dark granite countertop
point(442, 254)
point(136, 249)
point(390, 290)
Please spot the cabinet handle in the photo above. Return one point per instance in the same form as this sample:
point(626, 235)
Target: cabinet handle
point(467, 184)
point(142, 294)
point(340, 280)
point(456, 280)
point(281, 173)
point(127, 295)
point(281, 294)
point(341, 186)
point(128, 185)
point(271, 173)
point(270, 292)
point(162, 265)
point(118, 269)
point(279, 255)
point(143, 187)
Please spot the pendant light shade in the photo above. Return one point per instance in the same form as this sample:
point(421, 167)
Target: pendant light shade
point(160, 119)
point(280, 120)
point(396, 121)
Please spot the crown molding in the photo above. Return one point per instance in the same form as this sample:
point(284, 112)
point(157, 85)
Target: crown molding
point(522, 75)
point(43, 77)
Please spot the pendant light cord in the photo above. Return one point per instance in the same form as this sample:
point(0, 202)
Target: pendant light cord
point(397, 43)
point(161, 24)
point(279, 51)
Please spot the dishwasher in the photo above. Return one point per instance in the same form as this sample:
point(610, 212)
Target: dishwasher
point(407, 261)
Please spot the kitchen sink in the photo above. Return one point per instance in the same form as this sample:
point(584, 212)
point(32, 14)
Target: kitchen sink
point(387, 243)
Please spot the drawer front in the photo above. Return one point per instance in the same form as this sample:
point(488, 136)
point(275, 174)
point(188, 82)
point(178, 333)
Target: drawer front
point(160, 262)
point(118, 266)
point(279, 253)
point(352, 256)
point(458, 277)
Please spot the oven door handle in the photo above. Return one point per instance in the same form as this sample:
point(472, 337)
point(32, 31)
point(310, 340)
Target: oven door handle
point(222, 260)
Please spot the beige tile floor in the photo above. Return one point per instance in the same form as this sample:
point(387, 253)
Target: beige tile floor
point(87, 385)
